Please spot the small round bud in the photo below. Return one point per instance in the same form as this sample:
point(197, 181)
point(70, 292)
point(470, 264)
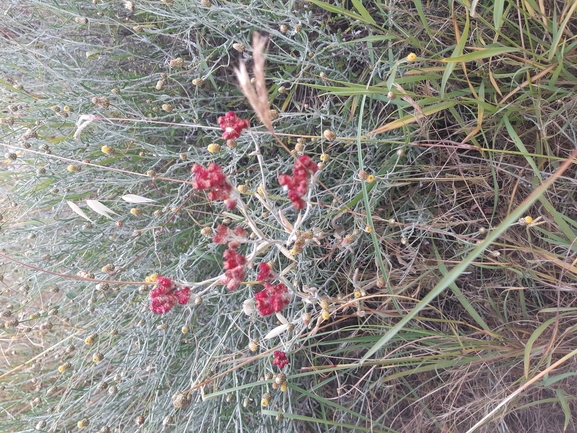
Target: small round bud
point(329, 135)
point(139, 420)
point(176, 63)
point(206, 231)
point(411, 57)
point(391, 96)
point(231, 144)
point(81, 20)
point(97, 357)
point(239, 47)
point(213, 147)
point(167, 107)
point(298, 28)
point(198, 82)
point(184, 329)
point(243, 189)
point(325, 157)
point(109, 268)
point(253, 346)
point(401, 152)
point(274, 114)
point(108, 150)
point(160, 84)
point(370, 178)
point(282, 90)
point(265, 399)
point(323, 76)
point(198, 300)
point(151, 173)
point(363, 175)
point(83, 423)
point(283, 28)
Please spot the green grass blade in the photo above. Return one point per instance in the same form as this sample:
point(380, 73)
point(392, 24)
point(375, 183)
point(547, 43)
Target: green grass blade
point(460, 268)
point(457, 52)
point(480, 54)
point(531, 341)
point(363, 11)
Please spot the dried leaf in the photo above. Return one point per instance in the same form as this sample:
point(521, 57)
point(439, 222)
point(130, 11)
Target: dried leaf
point(133, 198)
point(77, 210)
point(99, 208)
point(276, 331)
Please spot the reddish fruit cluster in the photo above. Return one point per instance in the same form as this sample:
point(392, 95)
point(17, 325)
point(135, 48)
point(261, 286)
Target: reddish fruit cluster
point(298, 183)
point(234, 267)
point(165, 295)
point(265, 273)
point(213, 179)
point(280, 359)
point(272, 299)
point(232, 125)
point(233, 237)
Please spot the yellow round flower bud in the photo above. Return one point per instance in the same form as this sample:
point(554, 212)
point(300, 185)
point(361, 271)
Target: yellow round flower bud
point(243, 189)
point(136, 212)
point(213, 147)
point(325, 157)
point(528, 219)
point(411, 57)
point(325, 314)
point(107, 150)
point(370, 178)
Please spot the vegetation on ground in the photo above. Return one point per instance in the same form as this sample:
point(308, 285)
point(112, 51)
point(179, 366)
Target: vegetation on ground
point(397, 222)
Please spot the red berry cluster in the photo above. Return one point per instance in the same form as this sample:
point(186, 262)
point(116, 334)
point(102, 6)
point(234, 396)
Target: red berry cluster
point(298, 183)
point(233, 237)
point(279, 359)
point(235, 271)
point(165, 295)
point(274, 298)
point(213, 179)
point(265, 273)
point(232, 125)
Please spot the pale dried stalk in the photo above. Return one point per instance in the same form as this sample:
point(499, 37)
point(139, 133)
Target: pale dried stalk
point(258, 99)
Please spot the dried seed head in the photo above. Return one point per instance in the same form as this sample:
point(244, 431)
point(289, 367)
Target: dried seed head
point(274, 114)
point(282, 90)
point(160, 84)
point(113, 390)
point(280, 378)
point(129, 5)
point(206, 231)
point(180, 400)
point(231, 144)
point(167, 107)
point(176, 63)
point(283, 28)
point(246, 402)
point(168, 419)
point(198, 82)
point(198, 300)
point(97, 357)
point(253, 346)
point(325, 314)
point(151, 173)
point(184, 329)
point(40, 425)
point(136, 212)
point(279, 416)
point(83, 423)
point(239, 47)
point(329, 135)
point(11, 323)
point(81, 20)
point(139, 420)
point(299, 147)
point(108, 268)
point(205, 3)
